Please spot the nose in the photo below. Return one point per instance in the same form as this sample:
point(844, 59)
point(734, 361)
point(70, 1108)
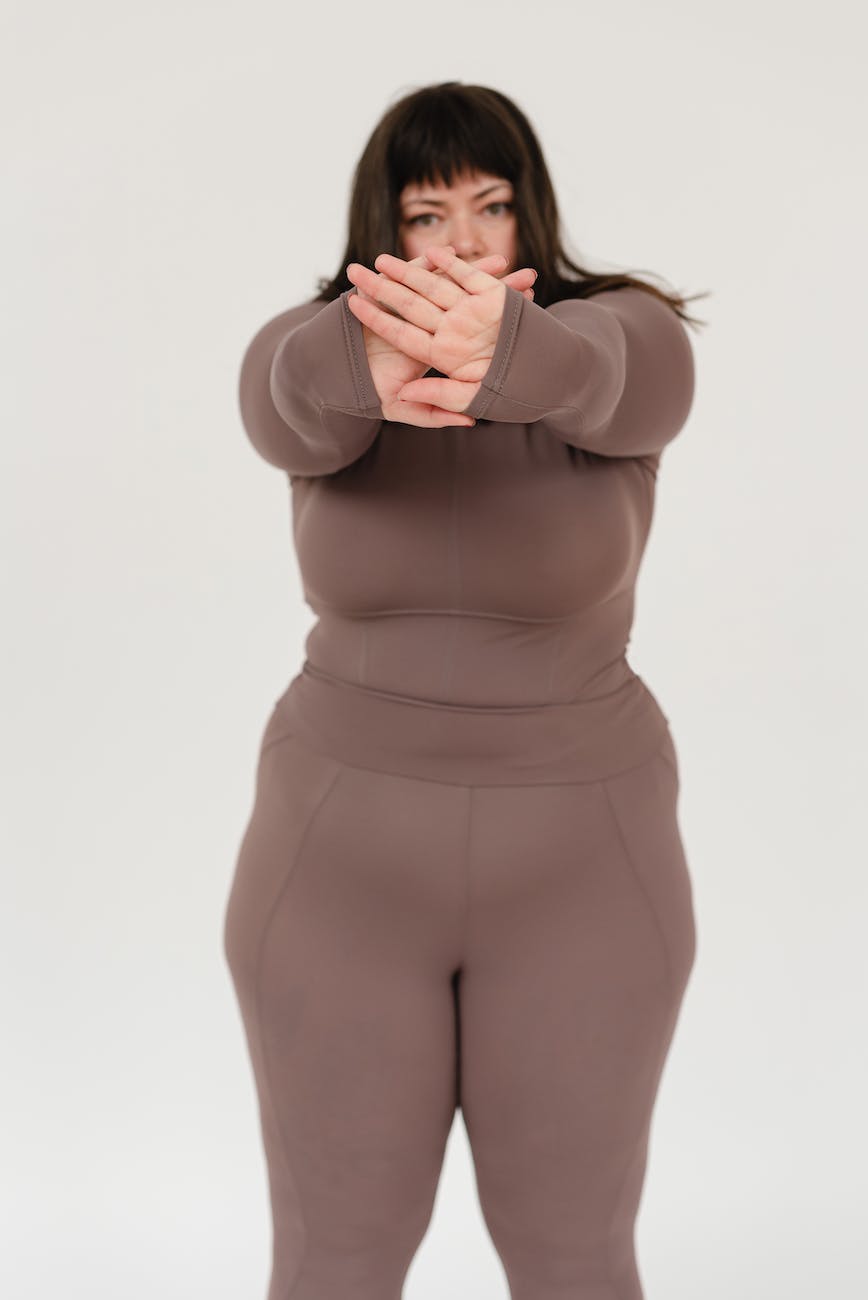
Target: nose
point(464, 239)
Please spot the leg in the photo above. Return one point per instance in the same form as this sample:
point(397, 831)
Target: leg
point(339, 934)
point(579, 946)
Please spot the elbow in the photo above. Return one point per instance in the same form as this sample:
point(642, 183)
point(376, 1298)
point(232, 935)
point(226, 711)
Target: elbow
point(670, 388)
point(296, 406)
point(265, 427)
point(657, 384)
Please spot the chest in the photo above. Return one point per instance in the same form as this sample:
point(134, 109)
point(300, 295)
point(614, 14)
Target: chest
point(501, 519)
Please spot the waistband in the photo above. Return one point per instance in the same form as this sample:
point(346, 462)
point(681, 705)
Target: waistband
point(584, 740)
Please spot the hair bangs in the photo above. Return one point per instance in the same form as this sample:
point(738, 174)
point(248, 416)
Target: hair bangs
point(441, 138)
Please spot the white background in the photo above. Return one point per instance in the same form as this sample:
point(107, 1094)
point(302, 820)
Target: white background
point(177, 173)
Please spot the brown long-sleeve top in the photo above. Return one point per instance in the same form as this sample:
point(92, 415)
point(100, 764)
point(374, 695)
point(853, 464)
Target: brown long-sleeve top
point(493, 565)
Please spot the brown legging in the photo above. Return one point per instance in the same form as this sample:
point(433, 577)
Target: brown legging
point(439, 907)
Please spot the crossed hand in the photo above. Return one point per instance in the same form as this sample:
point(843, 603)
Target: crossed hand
point(441, 313)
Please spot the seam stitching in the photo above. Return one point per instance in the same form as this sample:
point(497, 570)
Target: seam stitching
point(518, 301)
point(273, 741)
point(467, 859)
point(289, 876)
point(453, 785)
point(493, 390)
point(534, 406)
point(628, 856)
point(355, 367)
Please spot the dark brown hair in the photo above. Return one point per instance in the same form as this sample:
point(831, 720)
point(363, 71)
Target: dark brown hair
point(440, 132)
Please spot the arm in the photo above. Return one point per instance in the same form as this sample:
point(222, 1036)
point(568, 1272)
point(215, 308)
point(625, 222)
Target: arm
point(611, 374)
point(306, 395)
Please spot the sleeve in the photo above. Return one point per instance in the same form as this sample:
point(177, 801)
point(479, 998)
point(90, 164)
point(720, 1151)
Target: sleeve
point(306, 395)
point(612, 374)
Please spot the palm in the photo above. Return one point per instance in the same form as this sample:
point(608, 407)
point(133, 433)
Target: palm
point(472, 322)
point(463, 341)
point(390, 370)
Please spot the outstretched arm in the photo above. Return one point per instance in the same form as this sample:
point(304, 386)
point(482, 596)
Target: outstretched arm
point(612, 374)
point(307, 400)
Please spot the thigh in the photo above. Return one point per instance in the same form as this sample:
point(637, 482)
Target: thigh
point(580, 943)
point(339, 933)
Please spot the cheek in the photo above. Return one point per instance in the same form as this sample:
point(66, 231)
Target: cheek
point(413, 244)
point(506, 243)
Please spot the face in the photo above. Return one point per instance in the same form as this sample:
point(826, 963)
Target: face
point(474, 215)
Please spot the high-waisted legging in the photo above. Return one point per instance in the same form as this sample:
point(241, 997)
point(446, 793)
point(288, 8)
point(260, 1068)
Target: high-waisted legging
point(437, 908)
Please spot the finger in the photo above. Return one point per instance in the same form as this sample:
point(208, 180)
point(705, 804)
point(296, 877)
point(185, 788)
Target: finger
point(493, 263)
point(406, 337)
point(521, 279)
point(449, 394)
point(469, 277)
point(432, 417)
point(405, 302)
point(421, 260)
point(438, 289)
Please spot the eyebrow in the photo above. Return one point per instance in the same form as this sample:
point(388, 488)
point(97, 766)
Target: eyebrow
point(439, 203)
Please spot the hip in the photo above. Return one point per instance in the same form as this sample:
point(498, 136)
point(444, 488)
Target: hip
point(583, 740)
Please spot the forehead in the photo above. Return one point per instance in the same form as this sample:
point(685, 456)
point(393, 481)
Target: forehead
point(466, 183)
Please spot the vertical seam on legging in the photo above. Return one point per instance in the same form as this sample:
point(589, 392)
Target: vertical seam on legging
point(628, 856)
point(466, 859)
point(288, 877)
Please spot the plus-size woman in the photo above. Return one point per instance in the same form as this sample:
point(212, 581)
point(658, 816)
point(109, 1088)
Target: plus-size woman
point(462, 883)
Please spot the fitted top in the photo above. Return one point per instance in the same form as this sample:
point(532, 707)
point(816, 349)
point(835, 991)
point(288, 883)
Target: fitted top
point(492, 565)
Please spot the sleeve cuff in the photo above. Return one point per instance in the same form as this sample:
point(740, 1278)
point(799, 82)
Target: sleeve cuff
point(321, 386)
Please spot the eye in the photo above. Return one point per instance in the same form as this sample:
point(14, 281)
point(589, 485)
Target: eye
point(424, 216)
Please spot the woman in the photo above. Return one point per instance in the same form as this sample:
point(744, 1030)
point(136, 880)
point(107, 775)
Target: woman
point(462, 883)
